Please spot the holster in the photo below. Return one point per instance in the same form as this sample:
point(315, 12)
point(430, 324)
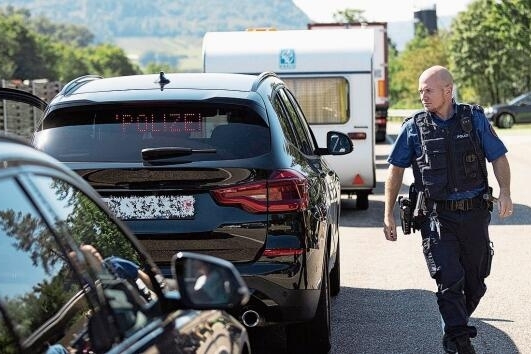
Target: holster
point(406, 214)
point(409, 211)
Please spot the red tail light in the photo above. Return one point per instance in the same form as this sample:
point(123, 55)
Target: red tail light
point(283, 191)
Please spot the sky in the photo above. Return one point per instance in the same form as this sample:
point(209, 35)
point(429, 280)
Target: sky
point(379, 10)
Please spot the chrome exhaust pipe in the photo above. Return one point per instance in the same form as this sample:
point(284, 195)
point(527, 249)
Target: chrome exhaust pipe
point(251, 318)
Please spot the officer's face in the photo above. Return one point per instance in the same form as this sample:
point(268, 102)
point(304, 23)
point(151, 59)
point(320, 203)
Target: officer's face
point(434, 94)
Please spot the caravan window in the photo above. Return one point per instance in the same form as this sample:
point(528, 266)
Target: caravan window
point(324, 100)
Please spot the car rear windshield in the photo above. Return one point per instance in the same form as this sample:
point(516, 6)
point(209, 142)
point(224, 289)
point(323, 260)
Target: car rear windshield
point(132, 134)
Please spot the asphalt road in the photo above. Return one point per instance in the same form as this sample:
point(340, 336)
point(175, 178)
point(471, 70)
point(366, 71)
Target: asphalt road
point(387, 302)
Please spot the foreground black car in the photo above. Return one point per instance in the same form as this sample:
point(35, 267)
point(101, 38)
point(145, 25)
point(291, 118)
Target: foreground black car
point(517, 110)
point(74, 280)
point(221, 164)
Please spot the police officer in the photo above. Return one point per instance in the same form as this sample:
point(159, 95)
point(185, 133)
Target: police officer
point(447, 145)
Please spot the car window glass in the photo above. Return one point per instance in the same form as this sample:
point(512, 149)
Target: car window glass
point(302, 119)
point(43, 299)
point(105, 252)
point(284, 121)
point(209, 131)
point(300, 129)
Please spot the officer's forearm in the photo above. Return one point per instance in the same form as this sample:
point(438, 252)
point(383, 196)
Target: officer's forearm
point(502, 171)
point(392, 187)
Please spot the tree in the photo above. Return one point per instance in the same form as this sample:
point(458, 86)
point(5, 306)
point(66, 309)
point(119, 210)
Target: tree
point(491, 47)
point(24, 55)
point(73, 62)
point(57, 52)
point(8, 47)
point(109, 60)
point(421, 52)
point(74, 35)
point(349, 16)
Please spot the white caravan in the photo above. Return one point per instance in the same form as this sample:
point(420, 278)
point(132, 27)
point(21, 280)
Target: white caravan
point(329, 71)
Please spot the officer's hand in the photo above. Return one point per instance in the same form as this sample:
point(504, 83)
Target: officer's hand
point(505, 205)
point(390, 228)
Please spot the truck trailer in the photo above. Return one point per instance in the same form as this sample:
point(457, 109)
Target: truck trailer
point(331, 74)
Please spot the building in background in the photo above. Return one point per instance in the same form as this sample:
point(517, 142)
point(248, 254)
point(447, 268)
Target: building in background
point(21, 118)
point(428, 17)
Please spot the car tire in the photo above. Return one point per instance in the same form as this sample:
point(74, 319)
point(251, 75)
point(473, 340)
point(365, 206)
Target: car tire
point(505, 121)
point(335, 276)
point(362, 201)
point(313, 336)
point(380, 136)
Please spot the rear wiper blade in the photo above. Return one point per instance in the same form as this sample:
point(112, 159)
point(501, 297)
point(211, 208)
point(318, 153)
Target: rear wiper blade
point(169, 152)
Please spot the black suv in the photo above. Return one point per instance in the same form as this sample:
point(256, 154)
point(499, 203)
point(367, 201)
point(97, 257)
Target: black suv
point(73, 279)
point(221, 164)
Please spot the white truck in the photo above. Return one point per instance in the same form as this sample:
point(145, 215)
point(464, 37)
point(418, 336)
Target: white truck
point(380, 68)
point(331, 74)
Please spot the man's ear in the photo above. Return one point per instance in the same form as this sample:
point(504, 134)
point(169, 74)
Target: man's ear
point(449, 89)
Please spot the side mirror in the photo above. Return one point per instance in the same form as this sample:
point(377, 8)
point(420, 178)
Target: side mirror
point(338, 143)
point(207, 282)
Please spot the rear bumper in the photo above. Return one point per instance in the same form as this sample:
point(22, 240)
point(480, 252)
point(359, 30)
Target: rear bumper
point(276, 304)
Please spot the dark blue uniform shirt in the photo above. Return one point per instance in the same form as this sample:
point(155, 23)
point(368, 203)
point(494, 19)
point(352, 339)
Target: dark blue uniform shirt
point(407, 146)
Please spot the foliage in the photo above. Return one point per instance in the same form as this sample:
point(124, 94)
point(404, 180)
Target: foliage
point(491, 47)
point(404, 69)
point(109, 60)
point(168, 18)
point(58, 52)
point(349, 16)
point(71, 34)
point(24, 53)
point(487, 49)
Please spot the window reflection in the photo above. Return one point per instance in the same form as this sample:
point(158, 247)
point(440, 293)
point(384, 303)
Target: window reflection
point(39, 292)
point(86, 222)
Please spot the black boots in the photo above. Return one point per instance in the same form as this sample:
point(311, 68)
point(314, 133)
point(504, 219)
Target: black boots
point(449, 345)
point(460, 345)
point(464, 346)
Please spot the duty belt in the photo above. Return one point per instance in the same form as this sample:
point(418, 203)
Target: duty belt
point(462, 204)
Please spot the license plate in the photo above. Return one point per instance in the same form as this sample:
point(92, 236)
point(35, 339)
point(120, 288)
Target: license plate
point(152, 207)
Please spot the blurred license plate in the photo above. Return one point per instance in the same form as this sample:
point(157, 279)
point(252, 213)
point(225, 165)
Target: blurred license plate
point(152, 207)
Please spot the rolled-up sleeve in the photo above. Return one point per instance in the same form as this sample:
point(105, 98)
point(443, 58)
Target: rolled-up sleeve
point(402, 150)
point(491, 143)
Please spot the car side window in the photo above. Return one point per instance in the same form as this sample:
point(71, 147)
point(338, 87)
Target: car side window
point(40, 294)
point(107, 253)
point(284, 120)
point(306, 143)
point(302, 118)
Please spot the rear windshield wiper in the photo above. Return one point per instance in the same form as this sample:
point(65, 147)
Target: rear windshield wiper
point(170, 152)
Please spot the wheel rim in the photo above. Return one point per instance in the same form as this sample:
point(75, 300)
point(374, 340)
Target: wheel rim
point(506, 121)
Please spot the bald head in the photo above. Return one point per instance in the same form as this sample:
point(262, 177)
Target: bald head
point(438, 75)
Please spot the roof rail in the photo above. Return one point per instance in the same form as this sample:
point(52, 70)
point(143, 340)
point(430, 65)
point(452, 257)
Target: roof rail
point(261, 78)
point(74, 84)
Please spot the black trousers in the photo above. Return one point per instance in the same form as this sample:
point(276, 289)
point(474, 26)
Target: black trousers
point(457, 257)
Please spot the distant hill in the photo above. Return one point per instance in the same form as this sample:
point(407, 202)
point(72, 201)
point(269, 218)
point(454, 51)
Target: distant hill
point(171, 31)
point(167, 31)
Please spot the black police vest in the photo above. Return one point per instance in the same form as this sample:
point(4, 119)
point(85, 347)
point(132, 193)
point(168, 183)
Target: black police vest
point(451, 159)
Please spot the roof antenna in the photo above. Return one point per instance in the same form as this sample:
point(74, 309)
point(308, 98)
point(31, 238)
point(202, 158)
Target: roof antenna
point(162, 81)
